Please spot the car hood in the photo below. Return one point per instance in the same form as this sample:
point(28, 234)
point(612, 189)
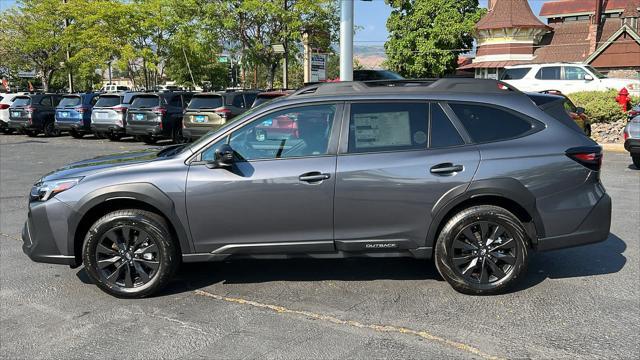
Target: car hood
point(103, 163)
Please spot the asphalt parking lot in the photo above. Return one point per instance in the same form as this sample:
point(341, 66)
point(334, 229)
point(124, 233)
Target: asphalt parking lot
point(575, 303)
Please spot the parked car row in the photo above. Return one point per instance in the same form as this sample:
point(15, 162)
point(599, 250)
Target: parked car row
point(148, 116)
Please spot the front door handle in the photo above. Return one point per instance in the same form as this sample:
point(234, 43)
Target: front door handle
point(314, 176)
point(446, 168)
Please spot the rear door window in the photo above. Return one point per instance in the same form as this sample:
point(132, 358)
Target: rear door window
point(145, 101)
point(238, 101)
point(389, 126)
point(486, 123)
point(70, 101)
point(549, 73)
point(108, 101)
point(442, 132)
point(514, 74)
point(206, 102)
point(46, 101)
point(249, 98)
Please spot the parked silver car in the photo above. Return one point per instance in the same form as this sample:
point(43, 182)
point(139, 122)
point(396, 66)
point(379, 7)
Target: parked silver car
point(457, 170)
point(632, 140)
point(109, 116)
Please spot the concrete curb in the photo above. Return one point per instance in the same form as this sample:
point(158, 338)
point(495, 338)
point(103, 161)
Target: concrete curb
point(613, 147)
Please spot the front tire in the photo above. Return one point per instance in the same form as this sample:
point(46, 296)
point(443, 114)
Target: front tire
point(482, 250)
point(130, 253)
point(636, 161)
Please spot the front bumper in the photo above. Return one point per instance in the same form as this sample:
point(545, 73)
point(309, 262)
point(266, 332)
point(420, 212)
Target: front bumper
point(46, 233)
point(594, 228)
point(632, 146)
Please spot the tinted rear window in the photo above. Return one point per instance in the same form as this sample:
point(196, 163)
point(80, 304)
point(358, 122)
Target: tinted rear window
point(145, 101)
point(108, 101)
point(206, 102)
point(549, 73)
point(70, 101)
point(558, 111)
point(21, 101)
point(484, 123)
point(541, 99)
point(514, 74)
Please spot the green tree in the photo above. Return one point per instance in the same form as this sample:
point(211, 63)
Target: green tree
point(31, 34)
point(426, 36)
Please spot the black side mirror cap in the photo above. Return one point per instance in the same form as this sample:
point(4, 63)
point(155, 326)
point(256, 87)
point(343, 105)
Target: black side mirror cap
point(579, 110)
point(224, 156)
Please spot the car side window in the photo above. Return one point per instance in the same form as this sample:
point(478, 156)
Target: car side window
point(249, 99)
point(186, 98)
point(568, 105)
point(94, 100)
point(46, 101)
point(549, 73)
point(388, 126)
point(574, 73)
point(238, 101)
point(486, 123)
point(442, 132)
point(295, 132)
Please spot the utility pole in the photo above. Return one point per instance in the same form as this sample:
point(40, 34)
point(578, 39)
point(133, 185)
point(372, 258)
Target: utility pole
point(66, 24)
point(285, 63)
point(189, 67)
point(346, 40)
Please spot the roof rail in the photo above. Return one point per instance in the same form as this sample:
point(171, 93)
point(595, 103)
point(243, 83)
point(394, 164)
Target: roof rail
point(443, 84)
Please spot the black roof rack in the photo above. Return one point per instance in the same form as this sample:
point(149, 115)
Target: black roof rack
point(419, 85)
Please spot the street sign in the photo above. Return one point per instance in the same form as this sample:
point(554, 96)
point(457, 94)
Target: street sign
point(223, 59)
point(27, 74)
point(318, 67)
point(278, 48)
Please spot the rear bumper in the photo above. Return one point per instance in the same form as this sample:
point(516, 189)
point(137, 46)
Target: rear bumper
point(594, 228)
point(108, 128)
point(144, 130)
point(67, 125)
point(632, 146)
point(195, 132)
point(22, 125)
point(44, 234)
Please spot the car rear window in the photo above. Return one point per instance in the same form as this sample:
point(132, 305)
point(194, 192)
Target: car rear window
point(21, 101)
point(558, 111)
point(485, 123)
point(145, 101)
point(108, 101)
point(514, 74)
point(377, 127)
point(206, 102)
point(68, 101)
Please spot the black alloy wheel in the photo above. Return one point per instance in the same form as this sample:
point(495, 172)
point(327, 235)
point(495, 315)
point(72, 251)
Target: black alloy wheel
point(483, 252)
point(50, 130)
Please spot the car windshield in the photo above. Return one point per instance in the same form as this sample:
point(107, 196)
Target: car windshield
point(108, 101)
point(595, 72)
point(70, 101)
point(21, 101)
point(146, 101)
point(206, 102)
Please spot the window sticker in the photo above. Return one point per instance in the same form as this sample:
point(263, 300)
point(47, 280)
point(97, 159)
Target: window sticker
point(382, 129)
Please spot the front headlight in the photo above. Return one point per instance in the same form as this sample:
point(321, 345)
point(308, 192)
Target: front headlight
point(45, 190)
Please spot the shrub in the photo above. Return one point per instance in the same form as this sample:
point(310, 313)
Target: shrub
point(600, 106)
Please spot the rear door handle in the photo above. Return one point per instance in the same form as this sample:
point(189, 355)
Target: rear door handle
point(446, 168)
point(314, 176)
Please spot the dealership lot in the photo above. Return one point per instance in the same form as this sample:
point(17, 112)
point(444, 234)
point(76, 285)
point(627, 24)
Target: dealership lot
point(582, 302)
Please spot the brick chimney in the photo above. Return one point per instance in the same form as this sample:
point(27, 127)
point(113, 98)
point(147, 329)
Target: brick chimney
point(594, 27)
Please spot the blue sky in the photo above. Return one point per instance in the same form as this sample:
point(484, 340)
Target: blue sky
point(370, 16)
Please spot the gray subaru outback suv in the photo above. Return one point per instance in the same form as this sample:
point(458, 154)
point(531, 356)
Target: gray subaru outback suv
point(471, 173)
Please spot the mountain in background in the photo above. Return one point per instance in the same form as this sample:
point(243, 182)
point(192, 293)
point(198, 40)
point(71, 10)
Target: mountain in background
point(370, 56)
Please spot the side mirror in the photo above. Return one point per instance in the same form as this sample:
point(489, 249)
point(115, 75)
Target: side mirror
point(588, 77)
point(223, 157)
point(579, 110)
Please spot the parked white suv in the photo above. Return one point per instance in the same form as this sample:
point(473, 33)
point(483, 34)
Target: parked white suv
point(564, 77)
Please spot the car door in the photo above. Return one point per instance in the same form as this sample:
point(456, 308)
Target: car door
point(395, 161)
point(278, 195)
point(574, 79)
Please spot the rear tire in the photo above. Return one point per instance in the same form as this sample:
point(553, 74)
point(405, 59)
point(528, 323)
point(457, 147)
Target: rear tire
point(130, 253)
point(482, 250)
point(31, 133)
point(75, 134)
point(50, 130)
point(114, 137)
point(636, 161)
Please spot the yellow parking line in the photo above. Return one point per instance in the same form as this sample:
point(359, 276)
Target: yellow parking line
point(334, 320)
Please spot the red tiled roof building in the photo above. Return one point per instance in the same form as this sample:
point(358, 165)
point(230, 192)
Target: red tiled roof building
point(602, 33)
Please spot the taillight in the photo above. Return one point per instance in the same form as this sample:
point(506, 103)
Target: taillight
point(159, 110)
point(4, 106)
point(29, 109)
point(625, 135)
point(588, 156)
point(223, 112)
point(119, 109)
